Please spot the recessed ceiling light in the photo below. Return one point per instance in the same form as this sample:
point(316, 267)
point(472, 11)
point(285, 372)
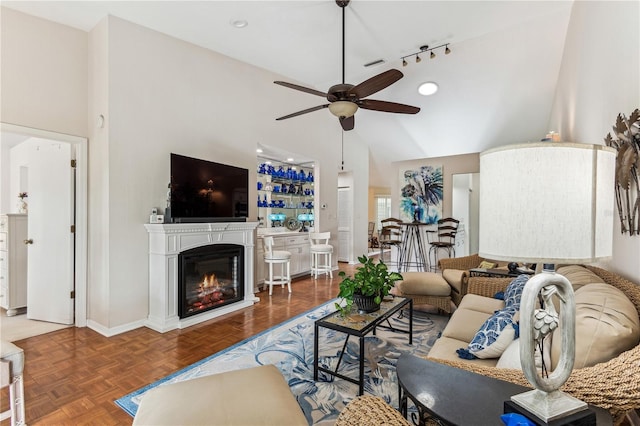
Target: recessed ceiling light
point(289, 159)
point(259, 150)
point(239, 23)
point(428, 88)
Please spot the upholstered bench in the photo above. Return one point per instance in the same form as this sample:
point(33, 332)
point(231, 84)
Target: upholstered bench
point(252, 396)
point(425, 288)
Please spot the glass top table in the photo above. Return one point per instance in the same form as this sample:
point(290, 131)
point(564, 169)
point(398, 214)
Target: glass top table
point(359, 325)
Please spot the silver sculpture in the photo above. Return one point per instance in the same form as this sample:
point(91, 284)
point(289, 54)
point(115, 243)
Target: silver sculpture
point(546, 401)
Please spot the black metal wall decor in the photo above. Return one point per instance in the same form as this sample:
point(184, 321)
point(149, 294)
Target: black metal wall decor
point(626, 141)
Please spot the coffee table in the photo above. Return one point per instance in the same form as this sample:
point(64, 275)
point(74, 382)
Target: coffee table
point(359, 325)
point(458, 397)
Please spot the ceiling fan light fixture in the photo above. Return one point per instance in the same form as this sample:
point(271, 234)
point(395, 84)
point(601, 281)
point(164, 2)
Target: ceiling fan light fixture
point(343, 108)
point(428, 88)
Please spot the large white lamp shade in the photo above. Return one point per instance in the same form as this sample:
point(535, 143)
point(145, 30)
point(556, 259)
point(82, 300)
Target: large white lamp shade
point(547, 202)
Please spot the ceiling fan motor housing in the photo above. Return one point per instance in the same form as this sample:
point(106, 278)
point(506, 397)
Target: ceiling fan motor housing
point(340, 92)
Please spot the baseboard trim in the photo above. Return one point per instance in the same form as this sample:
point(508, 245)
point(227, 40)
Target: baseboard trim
point(110, 332)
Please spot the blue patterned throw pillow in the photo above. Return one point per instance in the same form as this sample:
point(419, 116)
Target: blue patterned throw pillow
point(491, 340)
point(513, 293)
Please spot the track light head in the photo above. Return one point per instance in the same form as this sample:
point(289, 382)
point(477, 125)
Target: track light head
point(404, 62)
point(447, 50)
point(418, 59)
point(433, 55)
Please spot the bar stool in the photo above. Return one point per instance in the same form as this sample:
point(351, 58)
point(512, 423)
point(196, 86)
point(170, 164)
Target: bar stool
point(276, 257)
point(447, 229)
point(320, 247)
point(11, 366)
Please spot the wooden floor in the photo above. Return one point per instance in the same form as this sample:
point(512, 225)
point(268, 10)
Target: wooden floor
point(72, 376)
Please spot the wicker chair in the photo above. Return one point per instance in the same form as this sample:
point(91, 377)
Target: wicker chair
point(613, 385)
point(456, 271)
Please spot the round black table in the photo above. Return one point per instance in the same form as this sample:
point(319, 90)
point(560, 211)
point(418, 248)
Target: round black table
point(458, 397)
point(412, 251)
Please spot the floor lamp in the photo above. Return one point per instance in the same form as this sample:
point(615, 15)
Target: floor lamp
point(547, 203)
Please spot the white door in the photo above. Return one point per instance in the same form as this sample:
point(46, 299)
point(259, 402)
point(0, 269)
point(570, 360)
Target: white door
point(50, 255)
point(345, 215)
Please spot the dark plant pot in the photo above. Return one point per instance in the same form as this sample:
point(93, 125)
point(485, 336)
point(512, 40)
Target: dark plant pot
point(365, 304)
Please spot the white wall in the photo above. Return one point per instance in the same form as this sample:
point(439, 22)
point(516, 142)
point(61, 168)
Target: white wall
point(164, 96)
point(158, 95)
point(43, 74)
point(600, 78)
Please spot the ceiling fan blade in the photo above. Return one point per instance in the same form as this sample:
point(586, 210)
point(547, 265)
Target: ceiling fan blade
point(301, 88)
point(387, 106)
point(304, 111)
point(347, 123)
point(376, 83)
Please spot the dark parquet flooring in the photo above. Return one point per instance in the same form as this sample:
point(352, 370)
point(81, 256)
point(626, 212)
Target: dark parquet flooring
point(72, 376)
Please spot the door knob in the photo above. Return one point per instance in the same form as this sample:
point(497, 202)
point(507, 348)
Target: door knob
point(29, 241)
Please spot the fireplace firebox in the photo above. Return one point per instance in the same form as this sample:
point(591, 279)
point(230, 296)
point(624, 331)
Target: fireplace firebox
point(210, 277)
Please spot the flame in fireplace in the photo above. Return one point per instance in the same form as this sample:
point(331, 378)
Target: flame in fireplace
point(210, 291)
point(209, 280)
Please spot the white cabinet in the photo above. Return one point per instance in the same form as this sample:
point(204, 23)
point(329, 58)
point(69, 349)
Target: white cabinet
point(13, 262)
point(298, 246)
point(295, 243)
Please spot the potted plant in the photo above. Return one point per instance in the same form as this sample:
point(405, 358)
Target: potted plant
point(369, 285)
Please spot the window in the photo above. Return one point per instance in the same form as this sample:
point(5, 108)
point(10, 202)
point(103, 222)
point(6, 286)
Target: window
point(383, 209)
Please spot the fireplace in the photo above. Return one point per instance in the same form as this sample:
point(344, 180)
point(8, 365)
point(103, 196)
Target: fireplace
point(168, 241)
point(209, 277)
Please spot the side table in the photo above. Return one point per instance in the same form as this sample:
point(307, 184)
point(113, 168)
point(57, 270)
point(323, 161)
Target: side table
point(458, 397)
point(499, 273)
point(359, 325)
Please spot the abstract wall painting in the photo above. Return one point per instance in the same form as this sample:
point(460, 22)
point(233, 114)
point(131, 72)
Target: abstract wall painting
point(421, 195)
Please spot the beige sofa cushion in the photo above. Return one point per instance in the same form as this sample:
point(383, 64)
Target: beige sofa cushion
point(479, 303)
point(607, 324)
point(252, 397)
point(579, 276)
point(423, 284)
point(464, 325)
point(446, 347)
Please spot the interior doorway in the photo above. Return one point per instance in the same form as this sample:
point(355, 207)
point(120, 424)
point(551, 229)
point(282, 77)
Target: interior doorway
point(14, 135)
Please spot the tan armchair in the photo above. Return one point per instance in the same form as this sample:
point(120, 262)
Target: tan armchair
point(456, 272)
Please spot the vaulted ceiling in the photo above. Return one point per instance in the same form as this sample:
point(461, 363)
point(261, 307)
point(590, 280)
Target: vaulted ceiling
point(496, 86)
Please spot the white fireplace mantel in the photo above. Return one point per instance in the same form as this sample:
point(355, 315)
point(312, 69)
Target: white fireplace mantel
point(166, 242)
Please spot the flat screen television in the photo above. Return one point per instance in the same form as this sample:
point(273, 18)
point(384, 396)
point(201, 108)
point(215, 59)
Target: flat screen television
point(204, 191)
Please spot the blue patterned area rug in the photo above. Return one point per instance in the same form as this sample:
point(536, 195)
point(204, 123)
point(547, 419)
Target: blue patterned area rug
point(289, 346)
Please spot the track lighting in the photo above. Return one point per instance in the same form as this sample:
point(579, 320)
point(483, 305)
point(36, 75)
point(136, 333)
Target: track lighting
point(424, 49)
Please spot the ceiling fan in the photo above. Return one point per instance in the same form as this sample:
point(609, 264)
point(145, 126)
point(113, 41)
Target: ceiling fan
point(345, 99)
